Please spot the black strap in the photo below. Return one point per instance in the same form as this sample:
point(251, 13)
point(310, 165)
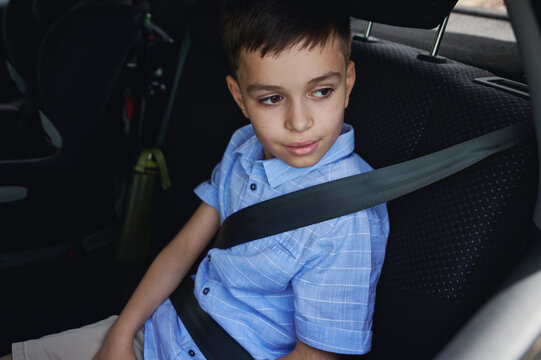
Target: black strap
point(347, 195)
point(213, 341)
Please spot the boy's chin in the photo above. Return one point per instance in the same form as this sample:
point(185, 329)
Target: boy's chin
point(301, 161)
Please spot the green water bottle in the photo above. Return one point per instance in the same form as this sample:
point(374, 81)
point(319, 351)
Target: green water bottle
point(136, 229)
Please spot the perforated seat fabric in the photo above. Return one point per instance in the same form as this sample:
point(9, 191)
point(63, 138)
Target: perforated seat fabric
point(452, 242)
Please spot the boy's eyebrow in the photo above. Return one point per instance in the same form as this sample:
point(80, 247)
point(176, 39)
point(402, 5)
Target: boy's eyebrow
point(260, 87)
point(327, 76)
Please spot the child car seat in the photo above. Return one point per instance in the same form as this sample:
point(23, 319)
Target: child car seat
point(22, 134)
point(8, 91)
point(78, 64)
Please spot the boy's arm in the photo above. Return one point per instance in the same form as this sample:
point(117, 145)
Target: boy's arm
point(306, 352)
point(161, 279)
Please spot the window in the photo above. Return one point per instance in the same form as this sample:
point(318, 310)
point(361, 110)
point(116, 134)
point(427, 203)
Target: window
point(484, 4)
point(485, 18)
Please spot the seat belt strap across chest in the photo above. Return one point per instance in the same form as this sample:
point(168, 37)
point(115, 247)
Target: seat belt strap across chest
point(347, 195)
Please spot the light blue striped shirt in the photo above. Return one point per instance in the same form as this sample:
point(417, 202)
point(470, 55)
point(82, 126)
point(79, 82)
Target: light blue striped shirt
point(315, 283)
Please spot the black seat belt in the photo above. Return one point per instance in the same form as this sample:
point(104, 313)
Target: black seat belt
point(213, 341)
point(340, 197)
point(351, 194)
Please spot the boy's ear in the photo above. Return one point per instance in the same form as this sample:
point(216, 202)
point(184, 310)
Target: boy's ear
point(234, 89)
point(350, 80)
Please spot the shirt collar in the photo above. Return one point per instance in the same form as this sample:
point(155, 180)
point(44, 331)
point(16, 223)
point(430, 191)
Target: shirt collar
point(250, 151)
point(278, 172)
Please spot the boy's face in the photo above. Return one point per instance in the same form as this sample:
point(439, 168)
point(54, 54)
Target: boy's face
point(296, 100)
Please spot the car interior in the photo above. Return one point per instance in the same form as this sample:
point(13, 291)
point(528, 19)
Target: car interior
point(102, 102)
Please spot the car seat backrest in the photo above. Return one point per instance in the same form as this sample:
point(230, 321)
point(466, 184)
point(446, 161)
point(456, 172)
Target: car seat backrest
point(452, 242)
point(22, 37)
point(46, 12)
point(79, 63)
point(8, 90)
point(25, 24)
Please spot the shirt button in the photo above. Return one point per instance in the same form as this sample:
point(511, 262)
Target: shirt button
point(206, 291)
point(209, 257)
point(253, 186)
point(191, 353)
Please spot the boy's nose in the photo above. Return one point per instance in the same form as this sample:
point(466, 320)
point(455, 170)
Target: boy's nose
point(298, 118)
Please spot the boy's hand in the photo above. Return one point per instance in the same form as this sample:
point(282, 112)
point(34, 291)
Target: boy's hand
point(107, 353)
point(116, 348)
point(161, 279)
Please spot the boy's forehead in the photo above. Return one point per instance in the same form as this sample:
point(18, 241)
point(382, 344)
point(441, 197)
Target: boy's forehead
point(294, 63)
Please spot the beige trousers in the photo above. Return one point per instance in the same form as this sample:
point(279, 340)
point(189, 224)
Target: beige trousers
point(75, 344)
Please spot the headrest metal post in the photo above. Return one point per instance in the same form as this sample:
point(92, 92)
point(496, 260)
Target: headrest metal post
point(368, 29)
point(439, 36)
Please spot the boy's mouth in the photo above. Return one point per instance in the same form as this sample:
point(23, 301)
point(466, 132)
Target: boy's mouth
point(302, 148)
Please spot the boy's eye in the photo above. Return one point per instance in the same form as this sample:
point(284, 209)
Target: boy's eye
point(271, 100)
point(323, 93)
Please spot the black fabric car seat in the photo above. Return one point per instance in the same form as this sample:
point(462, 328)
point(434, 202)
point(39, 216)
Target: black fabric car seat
point(22, 135)
point(8, 90)
point(22, 36)
point(24, 24)
point(452, 243)
point(80, 59)
point(76, 81)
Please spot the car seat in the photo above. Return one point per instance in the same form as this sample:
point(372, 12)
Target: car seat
point(72, 84)
point(22, 135)
point(8, 91)
point(451, 243)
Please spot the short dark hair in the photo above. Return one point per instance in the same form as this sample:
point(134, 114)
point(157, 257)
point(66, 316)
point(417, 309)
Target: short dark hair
point(271, 26)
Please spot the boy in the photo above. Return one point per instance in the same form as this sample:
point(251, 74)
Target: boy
point(306, 293)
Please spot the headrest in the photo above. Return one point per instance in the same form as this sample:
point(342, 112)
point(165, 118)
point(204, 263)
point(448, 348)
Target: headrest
point(424, 14)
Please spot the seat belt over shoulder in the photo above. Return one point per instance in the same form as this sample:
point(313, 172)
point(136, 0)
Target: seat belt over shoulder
point(354, 193)
point(341, 197)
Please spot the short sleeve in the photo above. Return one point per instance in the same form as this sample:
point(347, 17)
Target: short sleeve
point(211, 190)
point(333, 288)
point(207, 191)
